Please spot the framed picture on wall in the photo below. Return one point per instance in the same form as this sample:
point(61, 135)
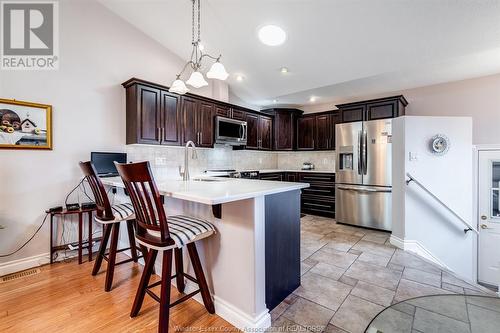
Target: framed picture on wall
point(25, 125)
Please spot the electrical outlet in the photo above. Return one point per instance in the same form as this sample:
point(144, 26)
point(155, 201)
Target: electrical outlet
point(160, 161)
point(413, 156)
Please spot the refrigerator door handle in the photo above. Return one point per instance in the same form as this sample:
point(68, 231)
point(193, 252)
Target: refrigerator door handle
point(360, 164)
point(363, 189)
point(365, 152)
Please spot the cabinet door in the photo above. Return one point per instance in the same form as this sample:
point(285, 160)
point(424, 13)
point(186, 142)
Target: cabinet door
point(305, 133)
point(335, 119)
point(266, 133)
point(291, 177)
point(190, 117)
point(222, 111)
point(170, 119)
point(284, 130)
point(238, 114)
point(148, 115)
point(252, 131)
point(322, 132)
point(353, 113)
point(382, 110)
point(206, 124)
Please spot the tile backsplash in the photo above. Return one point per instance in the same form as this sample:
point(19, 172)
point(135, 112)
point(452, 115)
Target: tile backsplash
point(322, 160)
point(165, 161)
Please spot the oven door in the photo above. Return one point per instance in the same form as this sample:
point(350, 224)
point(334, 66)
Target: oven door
point(230, 131)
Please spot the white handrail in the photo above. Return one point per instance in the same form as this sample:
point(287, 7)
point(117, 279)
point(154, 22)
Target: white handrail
point(412, 179)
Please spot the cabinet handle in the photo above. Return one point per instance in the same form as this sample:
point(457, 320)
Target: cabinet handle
point(198, 138)
point(201, 137)
point(158, 130)
point(162, 133)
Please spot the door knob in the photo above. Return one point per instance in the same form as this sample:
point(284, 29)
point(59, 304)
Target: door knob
point(484, 226)
point(483, 217)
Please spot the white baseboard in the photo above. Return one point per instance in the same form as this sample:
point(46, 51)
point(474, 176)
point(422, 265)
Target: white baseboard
point(232, 314)
point(417, 248)
point(23, 264)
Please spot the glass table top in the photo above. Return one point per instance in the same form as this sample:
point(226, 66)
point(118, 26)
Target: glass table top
point(440, 313)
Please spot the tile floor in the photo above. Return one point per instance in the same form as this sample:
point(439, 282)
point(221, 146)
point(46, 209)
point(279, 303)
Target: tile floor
point(441, 313)
point(350, 274)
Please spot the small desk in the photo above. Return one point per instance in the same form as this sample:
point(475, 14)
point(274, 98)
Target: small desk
point(80, 213)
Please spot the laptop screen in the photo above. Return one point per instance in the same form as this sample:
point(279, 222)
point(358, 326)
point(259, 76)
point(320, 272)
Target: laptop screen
point(104, 162)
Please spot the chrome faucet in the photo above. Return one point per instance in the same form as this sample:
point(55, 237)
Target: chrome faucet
point(185, 173)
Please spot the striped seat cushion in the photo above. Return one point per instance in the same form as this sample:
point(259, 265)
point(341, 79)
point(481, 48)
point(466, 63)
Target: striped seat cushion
point(121, 212)
point(186, 229)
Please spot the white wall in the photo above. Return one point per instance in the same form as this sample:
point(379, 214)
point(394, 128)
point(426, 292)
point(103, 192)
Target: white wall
point(477, 98)
point(98, 51)
point(417, 218)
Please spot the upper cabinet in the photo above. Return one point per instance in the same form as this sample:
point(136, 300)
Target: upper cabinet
point(306, 132)
point(316, 131)
point(285, 128)
point(152, 116)
point(381, 108)
point(156, 116)
point(259, 131)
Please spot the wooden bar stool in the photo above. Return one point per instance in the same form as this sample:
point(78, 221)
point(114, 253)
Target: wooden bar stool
point(159, 233)
point(110, 217)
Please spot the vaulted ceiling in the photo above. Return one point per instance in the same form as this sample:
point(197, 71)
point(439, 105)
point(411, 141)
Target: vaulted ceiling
point(335, 49)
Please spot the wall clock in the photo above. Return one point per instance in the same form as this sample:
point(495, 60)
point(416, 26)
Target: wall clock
point(439, 144)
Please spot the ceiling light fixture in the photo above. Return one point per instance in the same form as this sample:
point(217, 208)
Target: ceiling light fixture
point(284, 70)
point(275, 101)
point(312, 99)
point(239, 78)
point(196, 80)
point(272, 35)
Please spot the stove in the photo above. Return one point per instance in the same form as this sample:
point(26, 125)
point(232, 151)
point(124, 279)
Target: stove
point(231, 173)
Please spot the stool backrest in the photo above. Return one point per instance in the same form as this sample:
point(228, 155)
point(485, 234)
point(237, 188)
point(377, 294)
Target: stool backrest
point(104, 211)
point(145, 197)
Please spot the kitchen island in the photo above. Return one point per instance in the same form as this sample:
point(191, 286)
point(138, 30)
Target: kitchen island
point(253, 261)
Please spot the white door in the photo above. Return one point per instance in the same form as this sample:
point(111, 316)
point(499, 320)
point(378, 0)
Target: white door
point(489, 217)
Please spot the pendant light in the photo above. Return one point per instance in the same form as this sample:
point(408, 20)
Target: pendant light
point(196, 79)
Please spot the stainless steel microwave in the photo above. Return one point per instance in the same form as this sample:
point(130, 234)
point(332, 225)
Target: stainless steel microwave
point(230, 131)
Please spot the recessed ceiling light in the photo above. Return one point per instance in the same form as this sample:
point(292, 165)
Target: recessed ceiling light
point(272, 35)
point(275, 101)
point(239, 77)
point(284, 70)
point(312, 99)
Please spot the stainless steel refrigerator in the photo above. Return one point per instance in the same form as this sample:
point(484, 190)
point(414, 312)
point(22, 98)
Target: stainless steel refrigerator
point(363, 179)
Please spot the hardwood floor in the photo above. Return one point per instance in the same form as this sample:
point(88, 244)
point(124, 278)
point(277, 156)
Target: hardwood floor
point(64, 297)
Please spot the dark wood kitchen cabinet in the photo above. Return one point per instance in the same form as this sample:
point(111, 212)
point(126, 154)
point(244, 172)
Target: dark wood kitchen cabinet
point(152, 116)
point(305, 132)
point(197, 120)
point(317, 131)
point(380, 108)
point(325, 130)
point(259, 131)
point(230, 112)
point(285, 127)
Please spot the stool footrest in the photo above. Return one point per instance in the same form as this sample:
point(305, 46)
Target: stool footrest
point(180, 300)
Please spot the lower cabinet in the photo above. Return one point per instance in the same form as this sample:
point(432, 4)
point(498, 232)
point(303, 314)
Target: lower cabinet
point(318, 198)
point(272, 176)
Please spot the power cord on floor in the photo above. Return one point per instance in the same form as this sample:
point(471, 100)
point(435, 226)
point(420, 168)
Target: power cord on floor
point(29, 240)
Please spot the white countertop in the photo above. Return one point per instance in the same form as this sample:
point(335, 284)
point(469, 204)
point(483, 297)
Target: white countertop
point(291, 170)
point(216, 192)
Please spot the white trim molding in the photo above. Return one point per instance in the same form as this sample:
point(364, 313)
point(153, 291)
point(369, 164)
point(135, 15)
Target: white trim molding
point(24, 263)
point(417, 248)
